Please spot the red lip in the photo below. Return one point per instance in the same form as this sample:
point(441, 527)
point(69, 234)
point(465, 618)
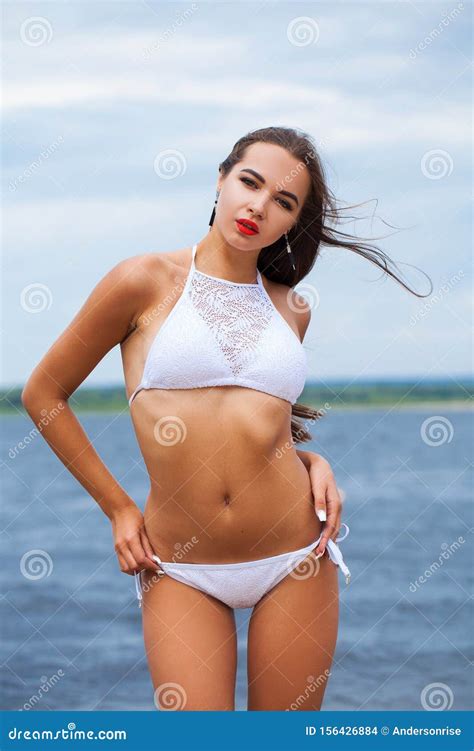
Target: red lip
point(247, 224)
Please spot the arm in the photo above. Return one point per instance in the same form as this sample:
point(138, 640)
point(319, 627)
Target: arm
point(327, 500)
point(105, 320)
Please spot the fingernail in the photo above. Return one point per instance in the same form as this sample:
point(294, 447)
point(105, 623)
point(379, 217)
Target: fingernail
point(321, 514)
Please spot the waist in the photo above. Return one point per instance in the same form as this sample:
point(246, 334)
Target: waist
point(238, 511)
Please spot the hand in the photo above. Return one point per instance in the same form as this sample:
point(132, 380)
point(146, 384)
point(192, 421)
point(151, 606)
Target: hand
point(132, 546)
point(327, 497)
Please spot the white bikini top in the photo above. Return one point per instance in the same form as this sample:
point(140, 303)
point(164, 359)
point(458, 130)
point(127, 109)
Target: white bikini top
point(225, 333)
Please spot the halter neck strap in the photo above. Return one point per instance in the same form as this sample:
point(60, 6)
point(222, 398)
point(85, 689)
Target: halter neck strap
point(224, 281)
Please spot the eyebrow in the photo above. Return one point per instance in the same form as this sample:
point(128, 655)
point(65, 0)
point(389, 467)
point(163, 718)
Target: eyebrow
point(262, 180)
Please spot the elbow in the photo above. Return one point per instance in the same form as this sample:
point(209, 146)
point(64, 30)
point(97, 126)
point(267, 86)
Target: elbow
point(28, 397)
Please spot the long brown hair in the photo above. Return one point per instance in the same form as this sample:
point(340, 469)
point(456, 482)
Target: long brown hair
point(316, 226)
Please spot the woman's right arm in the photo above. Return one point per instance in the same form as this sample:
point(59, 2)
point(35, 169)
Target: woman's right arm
point(107, 317)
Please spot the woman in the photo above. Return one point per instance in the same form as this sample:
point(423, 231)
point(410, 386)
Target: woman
point(211, 341)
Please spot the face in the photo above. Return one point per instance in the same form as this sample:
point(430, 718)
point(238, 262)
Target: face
point(268, 186)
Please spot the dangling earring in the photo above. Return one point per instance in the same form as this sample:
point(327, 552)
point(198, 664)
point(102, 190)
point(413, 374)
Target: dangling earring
point(211, 220)
point(289, 251)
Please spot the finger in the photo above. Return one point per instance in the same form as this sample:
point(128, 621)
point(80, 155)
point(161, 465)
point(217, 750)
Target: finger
point(124, 568)
point(137, 550)
point(318, 488)
point(328, 530)
point(330, 525)
point(338, 528)
point(130, 561)
point(148, 551)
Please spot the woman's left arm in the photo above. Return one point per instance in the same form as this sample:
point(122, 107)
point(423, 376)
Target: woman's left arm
point(327, 499)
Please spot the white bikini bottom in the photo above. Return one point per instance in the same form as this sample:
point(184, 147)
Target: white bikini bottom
point(242, 585)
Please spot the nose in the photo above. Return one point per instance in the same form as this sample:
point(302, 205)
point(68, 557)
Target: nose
point(258, 204)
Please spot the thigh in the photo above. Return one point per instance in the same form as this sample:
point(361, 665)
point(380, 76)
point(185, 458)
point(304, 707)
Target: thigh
point(191, 646)
point(292, 638)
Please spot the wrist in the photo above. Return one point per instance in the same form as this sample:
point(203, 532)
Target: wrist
point(118, 504)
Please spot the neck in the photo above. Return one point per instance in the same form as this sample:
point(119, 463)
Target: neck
point(216, 257)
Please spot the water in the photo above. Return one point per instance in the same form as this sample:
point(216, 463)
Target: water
point(79, 628)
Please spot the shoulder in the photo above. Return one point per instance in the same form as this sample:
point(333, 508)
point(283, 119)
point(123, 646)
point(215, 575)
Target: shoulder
point(143, 274)
point(295, 305)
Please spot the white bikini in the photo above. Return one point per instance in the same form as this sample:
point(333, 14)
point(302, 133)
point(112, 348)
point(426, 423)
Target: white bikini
point(225, 333)
point(229, 333)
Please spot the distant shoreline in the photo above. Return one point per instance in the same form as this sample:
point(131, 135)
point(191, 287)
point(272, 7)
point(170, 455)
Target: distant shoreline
point(451, 394)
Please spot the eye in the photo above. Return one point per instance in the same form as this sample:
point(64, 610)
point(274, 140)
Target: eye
point(247, 180)
point(285, 204)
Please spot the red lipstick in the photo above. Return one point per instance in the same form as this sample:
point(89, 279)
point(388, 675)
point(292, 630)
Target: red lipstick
point(247, 227)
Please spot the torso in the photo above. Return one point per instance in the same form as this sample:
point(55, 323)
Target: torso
point(226, 484)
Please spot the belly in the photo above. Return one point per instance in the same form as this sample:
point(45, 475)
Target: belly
point(226, 484)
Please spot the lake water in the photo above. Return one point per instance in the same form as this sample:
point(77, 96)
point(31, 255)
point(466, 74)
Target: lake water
point(409, 500)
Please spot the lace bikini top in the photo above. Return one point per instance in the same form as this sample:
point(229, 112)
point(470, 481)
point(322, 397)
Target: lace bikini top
point(225, 333)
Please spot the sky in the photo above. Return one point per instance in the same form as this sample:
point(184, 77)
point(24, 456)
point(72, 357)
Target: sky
point(117, 114)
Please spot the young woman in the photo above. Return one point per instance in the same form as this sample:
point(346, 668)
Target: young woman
point(211, 341)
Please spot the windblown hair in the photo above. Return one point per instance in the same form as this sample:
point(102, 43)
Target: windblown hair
point(316, 226)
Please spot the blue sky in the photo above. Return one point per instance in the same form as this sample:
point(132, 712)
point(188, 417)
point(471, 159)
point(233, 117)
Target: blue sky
point(95, 93)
